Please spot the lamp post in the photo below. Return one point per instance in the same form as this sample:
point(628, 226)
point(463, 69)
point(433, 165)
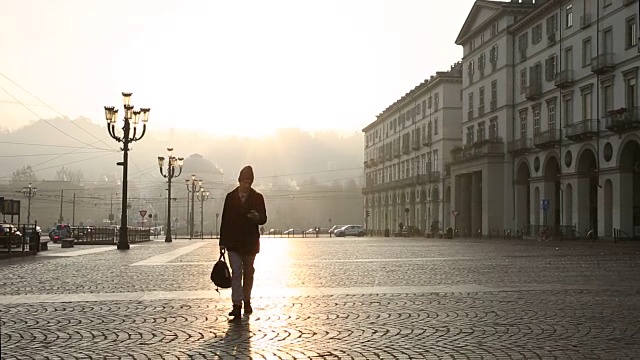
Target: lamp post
point(193, 186)
point(131, 117)
point(202, 196)
point(29, 191)
point(217, 216)
point(172, 162)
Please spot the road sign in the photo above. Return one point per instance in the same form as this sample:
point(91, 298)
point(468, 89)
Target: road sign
point(545, 204)
point(143, 213)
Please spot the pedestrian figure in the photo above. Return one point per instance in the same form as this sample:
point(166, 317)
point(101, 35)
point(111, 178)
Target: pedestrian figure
point(400, 225)
point(243, 211)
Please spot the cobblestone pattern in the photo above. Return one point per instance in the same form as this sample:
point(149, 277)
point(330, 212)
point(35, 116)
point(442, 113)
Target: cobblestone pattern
point(512, 325)
point(298, 263)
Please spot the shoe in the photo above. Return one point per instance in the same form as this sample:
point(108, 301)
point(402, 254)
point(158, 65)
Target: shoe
point(247, 308)
point(236, 310)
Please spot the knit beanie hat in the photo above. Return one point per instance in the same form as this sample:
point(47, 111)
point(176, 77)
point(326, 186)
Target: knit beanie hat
point(246, 173)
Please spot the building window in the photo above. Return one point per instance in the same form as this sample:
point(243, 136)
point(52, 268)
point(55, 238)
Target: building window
point(470, 135)
point(481, 129)
point(569, 16)
point(494, 95)
point(586, 52)
point(435, 126)
point(568, 111)
point(429, 104)
point(586, 105)
point(494, 29)
point(631, 93)
point(493, 55)
point(552, 25)
point(551, 67)
point(470, 107)
point(536, 34)
point(551, 115)
point(631, 32)
point(481, 38)
point(436, 101)
point(607, 97)
point(493, 129)
point(481, 63)
point(424, 108)
point(568, 58)
point(523, 43)
point(481, 101)
point(523, 80)
point(523, 124)
point(536, 120)
point(435, 159)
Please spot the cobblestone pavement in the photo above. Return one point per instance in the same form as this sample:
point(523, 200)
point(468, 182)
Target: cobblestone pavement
point(327, 298)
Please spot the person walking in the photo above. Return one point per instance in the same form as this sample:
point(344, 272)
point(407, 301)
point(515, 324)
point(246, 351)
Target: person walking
point(243, 211)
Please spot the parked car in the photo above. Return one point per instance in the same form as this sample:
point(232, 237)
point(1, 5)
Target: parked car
point(293, 232)
point(9, 229)
point(410, 230)
point(334, 228)
point(64, 230)
point(54, 235)
point(350, 230)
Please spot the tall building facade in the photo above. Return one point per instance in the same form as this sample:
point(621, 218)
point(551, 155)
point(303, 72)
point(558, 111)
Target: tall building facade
point(550, 123)
point(406, 148)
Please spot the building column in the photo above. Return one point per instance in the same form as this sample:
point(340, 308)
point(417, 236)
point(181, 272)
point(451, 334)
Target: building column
point(464, 210)
point(581, 210)
point(476, 202)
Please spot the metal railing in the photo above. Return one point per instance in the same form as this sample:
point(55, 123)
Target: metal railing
point(588, 126)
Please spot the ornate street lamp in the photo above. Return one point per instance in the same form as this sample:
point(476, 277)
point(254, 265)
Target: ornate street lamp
point(193, 186)
point(131, 117)
point(202, 196)
point(29, 191)
point(172, 163)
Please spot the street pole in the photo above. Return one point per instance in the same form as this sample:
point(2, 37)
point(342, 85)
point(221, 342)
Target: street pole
point(29, 191)
point(60, 218)
point(217, 215)
point(130, 116)
point(169, 175)
point(202, 196)
point(73, 211)
point(194, 185)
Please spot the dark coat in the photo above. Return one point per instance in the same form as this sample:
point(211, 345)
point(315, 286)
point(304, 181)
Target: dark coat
point(239, 233)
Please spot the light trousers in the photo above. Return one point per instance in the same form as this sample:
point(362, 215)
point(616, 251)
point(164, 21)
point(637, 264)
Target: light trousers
point(242, 271)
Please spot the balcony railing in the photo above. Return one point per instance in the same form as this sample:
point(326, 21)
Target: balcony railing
point(585, 20)
point(547, 139)
point(623, 120)
point(533, 91)
point(582, 130)
point(478, 149)
point(564, 79)
point(434, 176)
point(602, 63)
point(426, 140)
point(519, 146)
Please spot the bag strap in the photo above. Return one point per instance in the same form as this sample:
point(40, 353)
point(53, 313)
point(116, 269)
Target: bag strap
point(222, 252)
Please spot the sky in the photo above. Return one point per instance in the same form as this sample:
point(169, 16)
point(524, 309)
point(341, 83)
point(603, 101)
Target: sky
point(222, 67)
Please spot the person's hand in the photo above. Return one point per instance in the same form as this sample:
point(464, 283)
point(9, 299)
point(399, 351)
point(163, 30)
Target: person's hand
point(253, 215)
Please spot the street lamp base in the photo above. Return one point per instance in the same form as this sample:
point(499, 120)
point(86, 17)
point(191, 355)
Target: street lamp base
point(123, 246)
